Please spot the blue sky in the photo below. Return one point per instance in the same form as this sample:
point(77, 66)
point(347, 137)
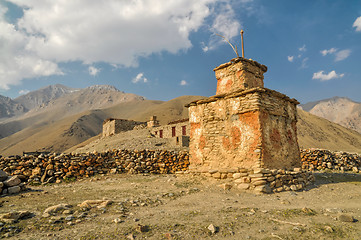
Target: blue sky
point(164, 49)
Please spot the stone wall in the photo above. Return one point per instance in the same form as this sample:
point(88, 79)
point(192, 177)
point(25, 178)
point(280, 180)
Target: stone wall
point(57, 168)
point(264, 180)
point(113, 126)
point(49, 168)
point(320, 159)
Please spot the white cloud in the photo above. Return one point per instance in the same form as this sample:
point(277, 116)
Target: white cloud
point(93, 70)
point(304, 63)
point(329, 51)
point(121, 32)
point(205, 48)
point(325, 77)
point(357, 24)
point(303, 48)
point(290, 58)
point(112, 31)
point(343, 54)
point(339, 55)
point(23, 92)
point(225, 24)
point(183, 83)
point(16, 60)
point(140, 78)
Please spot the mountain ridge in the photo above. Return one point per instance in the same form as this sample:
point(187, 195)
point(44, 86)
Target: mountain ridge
point(341, 110)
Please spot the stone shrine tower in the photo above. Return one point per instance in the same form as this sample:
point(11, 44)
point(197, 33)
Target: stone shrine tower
point(244, 125)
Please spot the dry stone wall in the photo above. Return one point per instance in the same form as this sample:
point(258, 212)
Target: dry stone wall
point(318, 160)
point(52, 168)
point(57, 168)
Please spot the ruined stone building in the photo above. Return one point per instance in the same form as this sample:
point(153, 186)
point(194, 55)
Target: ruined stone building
point(113, 126)
point(244, 125)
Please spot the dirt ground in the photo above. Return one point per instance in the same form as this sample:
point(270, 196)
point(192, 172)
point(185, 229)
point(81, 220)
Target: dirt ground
point(184, 207)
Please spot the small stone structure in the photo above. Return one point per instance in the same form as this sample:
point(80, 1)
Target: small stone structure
point(244, 127)
point(113, 126)
point(178, 131)
point(153, 122)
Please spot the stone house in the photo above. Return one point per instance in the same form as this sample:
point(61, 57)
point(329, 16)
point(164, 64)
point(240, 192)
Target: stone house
point(244, 125)
point(178, 131)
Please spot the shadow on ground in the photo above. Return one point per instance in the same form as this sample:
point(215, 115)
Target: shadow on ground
point(326, 178)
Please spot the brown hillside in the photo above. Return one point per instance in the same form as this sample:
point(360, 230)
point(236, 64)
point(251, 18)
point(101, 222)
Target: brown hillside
point(317, 132)
point(313, 132)
point(70, 131)
point(60, 135)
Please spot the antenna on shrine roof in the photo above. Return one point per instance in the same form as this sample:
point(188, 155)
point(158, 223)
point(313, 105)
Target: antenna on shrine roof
point(242, 43)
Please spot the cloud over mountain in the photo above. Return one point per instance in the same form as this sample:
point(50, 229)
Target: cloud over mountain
point(114, 32)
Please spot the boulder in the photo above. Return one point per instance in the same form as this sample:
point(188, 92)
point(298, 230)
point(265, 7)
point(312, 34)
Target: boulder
point(12, 181)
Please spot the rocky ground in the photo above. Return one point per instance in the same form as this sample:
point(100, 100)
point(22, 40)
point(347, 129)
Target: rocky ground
point(123, 206)
point(132, 140)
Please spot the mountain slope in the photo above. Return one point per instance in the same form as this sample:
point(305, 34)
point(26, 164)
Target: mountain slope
point(10, 108)
point(43, 96)
point(59, 135)
point(317, 132)
point(339, 110)
point(313, 132)
point(71, 103)
point(69, 131)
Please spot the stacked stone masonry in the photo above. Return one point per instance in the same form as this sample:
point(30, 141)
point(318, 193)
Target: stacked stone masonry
point(245, 125)
point(264, 180)
point(318, 160)
point(57, 168)
point(178, 131)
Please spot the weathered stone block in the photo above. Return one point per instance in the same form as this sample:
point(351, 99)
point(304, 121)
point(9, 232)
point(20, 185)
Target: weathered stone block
point(243, 186)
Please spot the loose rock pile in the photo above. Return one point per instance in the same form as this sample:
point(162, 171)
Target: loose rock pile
point(49, 168)
point(316, 159)
point(10, 184)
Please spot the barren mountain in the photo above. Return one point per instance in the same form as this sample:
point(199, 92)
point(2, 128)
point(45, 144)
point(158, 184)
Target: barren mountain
point(57, 126)
point(340, 110)
point(64, 133)
point(317, 132)
point(43, 96)
point(313, 132)
point(70, 103)
point(10, 108)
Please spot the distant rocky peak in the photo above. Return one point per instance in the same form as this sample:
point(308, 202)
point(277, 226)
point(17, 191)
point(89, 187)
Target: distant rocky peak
point(103, 87)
